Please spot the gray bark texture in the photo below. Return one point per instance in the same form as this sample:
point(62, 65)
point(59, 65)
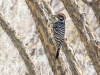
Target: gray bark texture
point(86, 33)
point(18, 44)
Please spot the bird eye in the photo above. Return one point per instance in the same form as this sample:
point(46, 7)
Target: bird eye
point(61, 17)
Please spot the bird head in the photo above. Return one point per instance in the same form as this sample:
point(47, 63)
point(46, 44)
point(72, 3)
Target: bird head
point(60, 16)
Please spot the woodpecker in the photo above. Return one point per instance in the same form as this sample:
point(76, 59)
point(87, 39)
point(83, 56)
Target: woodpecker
point(58, 29)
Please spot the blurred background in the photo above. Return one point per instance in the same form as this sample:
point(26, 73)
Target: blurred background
point(19, 16)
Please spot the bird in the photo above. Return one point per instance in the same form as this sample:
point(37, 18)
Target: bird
point(58, 30)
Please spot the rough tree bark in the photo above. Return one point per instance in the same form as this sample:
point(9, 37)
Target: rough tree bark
point(86, 33)
point(40, 12)
point(38, 9)
point(95, 4)
point(18, 44)
point(66, 48)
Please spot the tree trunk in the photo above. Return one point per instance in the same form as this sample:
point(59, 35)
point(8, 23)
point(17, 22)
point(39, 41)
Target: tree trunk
point(19, 45)
point(86, 33)
point(95, 4)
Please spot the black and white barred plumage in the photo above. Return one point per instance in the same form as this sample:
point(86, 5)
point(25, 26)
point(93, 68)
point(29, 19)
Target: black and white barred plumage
point(59, 32)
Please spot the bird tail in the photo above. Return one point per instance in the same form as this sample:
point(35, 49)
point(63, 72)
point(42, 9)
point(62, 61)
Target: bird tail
point(57, 54)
